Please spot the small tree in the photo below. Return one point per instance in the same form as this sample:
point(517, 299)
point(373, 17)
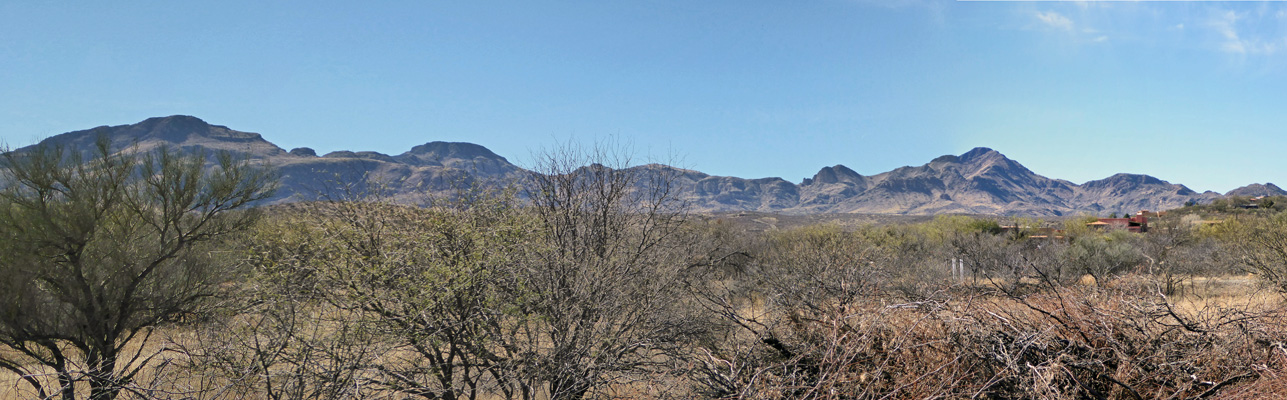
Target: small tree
point(1260, 244)
point(1102, 256)
point(97, 253)
point(601, 303)
point(360, 297)
point(1175, 252)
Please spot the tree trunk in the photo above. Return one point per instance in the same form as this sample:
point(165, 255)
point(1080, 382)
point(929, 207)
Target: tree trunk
point(103, 384)
point(68, 385)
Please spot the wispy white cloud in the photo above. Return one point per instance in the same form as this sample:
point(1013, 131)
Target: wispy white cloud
point(1225, 26)
point(1241, 30)
point(1228, 25)
point(1055, 20)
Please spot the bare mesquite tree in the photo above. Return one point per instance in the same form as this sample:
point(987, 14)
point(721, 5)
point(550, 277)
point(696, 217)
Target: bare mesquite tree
point(1011, 263)
point(100, 252)
point(1176, 253)
point(602, 303)
point(812, 318)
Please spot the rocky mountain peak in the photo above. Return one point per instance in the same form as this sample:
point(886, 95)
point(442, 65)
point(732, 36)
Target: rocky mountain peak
point(947, 158)
point(438, 151)
point(835, 174)
point(180, 128)
point(1256, 190)
point(979, 154)
point(983, 161)
point(186, 123)
point(976, 155)
point(303, 152)
point(177, 131)
point(1123, 179)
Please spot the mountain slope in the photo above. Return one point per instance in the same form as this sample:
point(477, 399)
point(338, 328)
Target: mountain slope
point(980, 181)
point(179, 131)
point(1128, 193)
point(431, 167)
point(1256, 190)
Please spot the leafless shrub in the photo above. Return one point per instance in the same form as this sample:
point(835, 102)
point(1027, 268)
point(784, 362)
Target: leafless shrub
point(601, 307)
point(818, 323)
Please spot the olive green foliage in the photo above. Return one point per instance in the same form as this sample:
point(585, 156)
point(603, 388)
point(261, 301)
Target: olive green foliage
point(1260, 245)
point(1102, 256)
point(944, 227)
point(1074, 227)
point(1238, 205)
point(360, 297)
point(99, 252)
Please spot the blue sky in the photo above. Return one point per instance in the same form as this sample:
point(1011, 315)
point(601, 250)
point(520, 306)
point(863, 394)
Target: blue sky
point(1189, 92)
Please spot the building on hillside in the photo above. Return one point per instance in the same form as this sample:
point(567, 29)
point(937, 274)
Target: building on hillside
point(1136, 224)
point(1253, 203)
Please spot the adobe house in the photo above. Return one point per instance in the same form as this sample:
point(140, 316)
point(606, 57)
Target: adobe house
point(1136, 224)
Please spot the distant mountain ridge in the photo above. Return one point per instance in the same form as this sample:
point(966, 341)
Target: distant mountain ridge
point(1257, 190)
point(980, 181)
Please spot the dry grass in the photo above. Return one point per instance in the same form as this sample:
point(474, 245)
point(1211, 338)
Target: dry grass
point(160, 374)
point(1221, 337)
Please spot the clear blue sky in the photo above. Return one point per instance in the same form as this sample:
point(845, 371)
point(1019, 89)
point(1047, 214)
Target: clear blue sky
point(1190, 92)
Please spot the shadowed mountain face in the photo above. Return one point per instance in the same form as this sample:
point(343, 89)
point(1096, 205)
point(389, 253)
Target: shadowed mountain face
point(179, 131)
point(981, 181)
point(431, 167)
point(1125, 193)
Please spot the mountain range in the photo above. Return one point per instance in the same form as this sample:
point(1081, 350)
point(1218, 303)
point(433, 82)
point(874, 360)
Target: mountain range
point(981, 181)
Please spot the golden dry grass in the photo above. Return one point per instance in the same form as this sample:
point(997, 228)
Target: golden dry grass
point(1200, 297)
point(13, 387)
